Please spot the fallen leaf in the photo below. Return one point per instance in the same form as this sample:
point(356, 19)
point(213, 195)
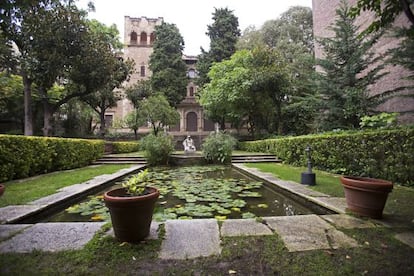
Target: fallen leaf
point(366, 243)
point(232, 271)
point(348, 257)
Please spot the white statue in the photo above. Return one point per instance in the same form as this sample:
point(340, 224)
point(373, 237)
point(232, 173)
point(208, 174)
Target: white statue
point(188, 144)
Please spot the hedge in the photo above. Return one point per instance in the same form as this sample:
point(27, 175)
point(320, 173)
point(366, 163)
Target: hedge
point(124, 147)
point(385, 154)
point(23, 156)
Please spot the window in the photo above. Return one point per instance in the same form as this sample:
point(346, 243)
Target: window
point(133, 38)
point(152, 38)
point(191, 91)
point(142, 71)
point(143, 38)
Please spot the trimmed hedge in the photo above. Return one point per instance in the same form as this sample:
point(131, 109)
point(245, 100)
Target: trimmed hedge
point(124, 147)
point(385, 154)
point(23, 156)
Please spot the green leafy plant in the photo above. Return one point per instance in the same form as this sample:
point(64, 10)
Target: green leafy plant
point(157, 148)
point(382, 120)
point(218, 147)
point(136, 185)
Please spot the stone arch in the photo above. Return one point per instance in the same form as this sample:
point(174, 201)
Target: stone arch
point(134, 38)
point(143, 38)
point(191, 121)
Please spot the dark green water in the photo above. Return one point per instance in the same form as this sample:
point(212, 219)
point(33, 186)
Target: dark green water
point(199, 192)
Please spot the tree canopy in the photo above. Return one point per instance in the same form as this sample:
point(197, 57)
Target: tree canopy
point(223, 34)
point(169, 72)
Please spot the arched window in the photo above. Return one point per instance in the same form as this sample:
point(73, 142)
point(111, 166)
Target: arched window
point(191, 121)
point(152, 38)
point(134, 38)
point(143, 39)
point(191, 91)
point(142, 71)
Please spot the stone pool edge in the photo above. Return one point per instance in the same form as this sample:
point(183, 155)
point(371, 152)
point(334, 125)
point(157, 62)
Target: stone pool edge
point(17, 213)
point(298, 191)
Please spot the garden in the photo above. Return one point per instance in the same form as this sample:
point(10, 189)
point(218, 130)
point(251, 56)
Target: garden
point(262, 91)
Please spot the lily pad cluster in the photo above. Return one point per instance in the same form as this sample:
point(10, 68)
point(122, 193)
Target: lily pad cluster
point(189, 192)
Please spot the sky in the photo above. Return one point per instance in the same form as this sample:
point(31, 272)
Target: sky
point(191, 17)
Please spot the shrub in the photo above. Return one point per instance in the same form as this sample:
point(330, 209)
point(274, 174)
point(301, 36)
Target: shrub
point(218, 147)
point(385, 154)
point(23, 156)
point(125, 147)
point(157, 149)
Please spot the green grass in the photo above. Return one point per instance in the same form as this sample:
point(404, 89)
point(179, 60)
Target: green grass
point(379, 253)
point(23, 191)
point(326, 183)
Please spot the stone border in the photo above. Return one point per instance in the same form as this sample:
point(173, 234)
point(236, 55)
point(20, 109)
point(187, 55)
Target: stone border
point(32, 210)
point(297, 191)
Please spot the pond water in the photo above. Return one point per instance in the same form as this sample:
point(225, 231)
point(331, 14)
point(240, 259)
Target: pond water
point(198, 192)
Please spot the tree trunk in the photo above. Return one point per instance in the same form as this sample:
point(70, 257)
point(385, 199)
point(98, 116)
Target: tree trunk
point(103, 124)
point(47, 116)
point(136, 134)
point(28, 112)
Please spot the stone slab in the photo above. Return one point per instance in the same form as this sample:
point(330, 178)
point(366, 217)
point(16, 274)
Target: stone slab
point(244, 227)
point(186, 239)
point(8, 230)
point(407, 238)
point(52, 237)
point(347, 222)
point(337, 204)
point(13, 212)
point(308, 232)
point(153, 235)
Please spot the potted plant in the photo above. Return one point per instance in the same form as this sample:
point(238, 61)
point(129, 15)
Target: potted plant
point(131, 208)
point(2, 188)
point(366, 196)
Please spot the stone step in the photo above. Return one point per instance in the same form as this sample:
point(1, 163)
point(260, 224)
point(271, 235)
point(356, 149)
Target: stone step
point(100, 162)
point(254, 158)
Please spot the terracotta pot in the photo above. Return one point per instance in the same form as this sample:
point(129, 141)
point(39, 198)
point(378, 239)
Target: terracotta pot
point(366, 196)
point(131, 215)
point(2, 188)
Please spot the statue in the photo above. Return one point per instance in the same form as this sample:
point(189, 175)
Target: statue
point(188, 144)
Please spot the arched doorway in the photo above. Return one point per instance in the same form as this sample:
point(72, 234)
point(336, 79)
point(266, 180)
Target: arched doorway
point(191, 121)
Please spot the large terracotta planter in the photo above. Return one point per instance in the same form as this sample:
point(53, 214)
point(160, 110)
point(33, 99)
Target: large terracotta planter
point(366, 196)
point(2, 188)
point(131, 215)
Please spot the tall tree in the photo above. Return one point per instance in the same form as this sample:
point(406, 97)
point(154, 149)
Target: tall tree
point(250, 88)
point(12, 17)
point(169, 72)
point(223, 34)
point(348, 68)
point(117, 72)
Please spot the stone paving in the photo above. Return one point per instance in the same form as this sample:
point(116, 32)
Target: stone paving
point(186, 239)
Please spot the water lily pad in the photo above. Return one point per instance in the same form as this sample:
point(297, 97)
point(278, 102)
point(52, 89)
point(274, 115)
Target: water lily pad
point(248, 215)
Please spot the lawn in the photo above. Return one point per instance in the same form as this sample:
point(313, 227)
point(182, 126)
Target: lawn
point(29, 189)
point(326, 183)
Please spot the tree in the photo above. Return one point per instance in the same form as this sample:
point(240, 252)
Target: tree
point(223, 34)
point(12, 17)
point(385, 11)
point(348, 69)
point(138, 91)
point(118, 71)
point(11, 96)
point(134, 121)
point(158, 113)
point(169, 72)
point(249, 88)
point(291, 35)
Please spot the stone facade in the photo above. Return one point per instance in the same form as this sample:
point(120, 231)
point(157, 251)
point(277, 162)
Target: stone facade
point(324, 16)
